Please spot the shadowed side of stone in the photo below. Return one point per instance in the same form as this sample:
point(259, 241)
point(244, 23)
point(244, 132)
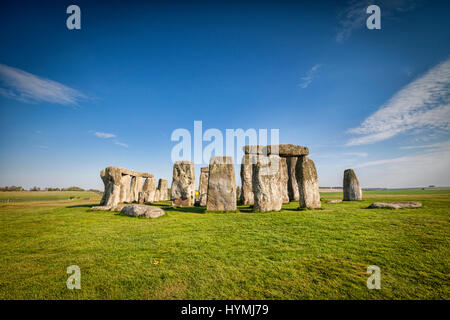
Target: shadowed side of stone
point(352, 189)
point(247, 197)
point(203, 186)
point(292, 180)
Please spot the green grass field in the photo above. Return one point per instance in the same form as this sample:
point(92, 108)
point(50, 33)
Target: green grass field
point(311, 254)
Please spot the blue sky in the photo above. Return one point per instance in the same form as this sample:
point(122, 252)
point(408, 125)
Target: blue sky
point(75, 101)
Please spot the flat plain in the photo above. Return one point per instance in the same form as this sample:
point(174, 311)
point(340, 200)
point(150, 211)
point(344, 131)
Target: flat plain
point(193, 254)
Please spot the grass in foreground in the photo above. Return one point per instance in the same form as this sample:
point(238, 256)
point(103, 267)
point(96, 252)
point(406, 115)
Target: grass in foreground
point(320, 254)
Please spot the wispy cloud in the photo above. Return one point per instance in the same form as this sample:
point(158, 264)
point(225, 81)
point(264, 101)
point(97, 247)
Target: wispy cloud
point(426, 167)
point(422, 104)
point(354, 16)
point(306, 80)
point(26, 87)
point(121, 144)
point(104, 135)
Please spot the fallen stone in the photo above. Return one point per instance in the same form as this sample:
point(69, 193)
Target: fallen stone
point(352, 189)
point(141, 210)
point(221, 185)
point(119, 207)
point(183, 184)
point(203, 186)
point(266, 184)
point(100, 208)
point(396, 205)
point(334, 201)
point(308, 184)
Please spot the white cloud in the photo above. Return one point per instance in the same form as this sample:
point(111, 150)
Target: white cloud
point(354, 16)
point(430, 166)
point(422, 104)
point(306, 80)
point(23, 86)
point(121, 144)
point(104, 135)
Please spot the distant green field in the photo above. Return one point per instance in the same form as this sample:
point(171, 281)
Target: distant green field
point(18, 196)
point(190, 254)
point(406, 192)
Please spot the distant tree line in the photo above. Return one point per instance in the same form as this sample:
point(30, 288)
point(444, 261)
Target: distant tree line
point(74, 188)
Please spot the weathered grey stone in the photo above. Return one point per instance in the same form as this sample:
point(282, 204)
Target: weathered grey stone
point(124, 187)
point(141, 210)
point(247, 197)
point(284, 180)
point(203, 186)
point(238, 193)
point(308, 184)
point(100, 208)
point(283, 150)
point(163, 188)
point(266, 184)
point(221, 185)
point(396, 205)
point(352, 189)
point(157, 196)
point(111, 177)
point(183, 184)
point(119, 207)
point(334, 201)
point(135, 189)
point(292, 179)
point(148, 191)
point(114, 178)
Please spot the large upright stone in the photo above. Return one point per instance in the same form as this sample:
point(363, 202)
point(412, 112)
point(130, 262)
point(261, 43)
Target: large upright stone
point(238, 193)
point(247, 197)
point(308, 184)
point(352, 189)
point(148, 191)
point(284, 180)
point(111, 177)
point(203, 185)
point(292, 180)
point(266, 180)
point(135, 188)
point(221, 185)
point(183, 184)
point(157, 197)
point(163, 188)
point(124, 187)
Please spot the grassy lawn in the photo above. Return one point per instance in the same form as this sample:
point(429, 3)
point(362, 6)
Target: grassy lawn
point(321, 254)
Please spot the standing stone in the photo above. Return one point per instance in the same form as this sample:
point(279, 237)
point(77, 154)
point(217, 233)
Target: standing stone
point(238, 193)
point(163, 188)
point(352, 189)
point(148, 191)
point(292, 180)
point(308, 184)
point(183, 184)
point(157, 196)
point(266, 184)
point(284, 180)
point(221, 185)
point(135, 188)
point(203, 185)
point(124, 187)
point(111, 177)
point(247, 197)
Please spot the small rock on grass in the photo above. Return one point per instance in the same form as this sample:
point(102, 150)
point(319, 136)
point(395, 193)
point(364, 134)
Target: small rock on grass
point(142, 211)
